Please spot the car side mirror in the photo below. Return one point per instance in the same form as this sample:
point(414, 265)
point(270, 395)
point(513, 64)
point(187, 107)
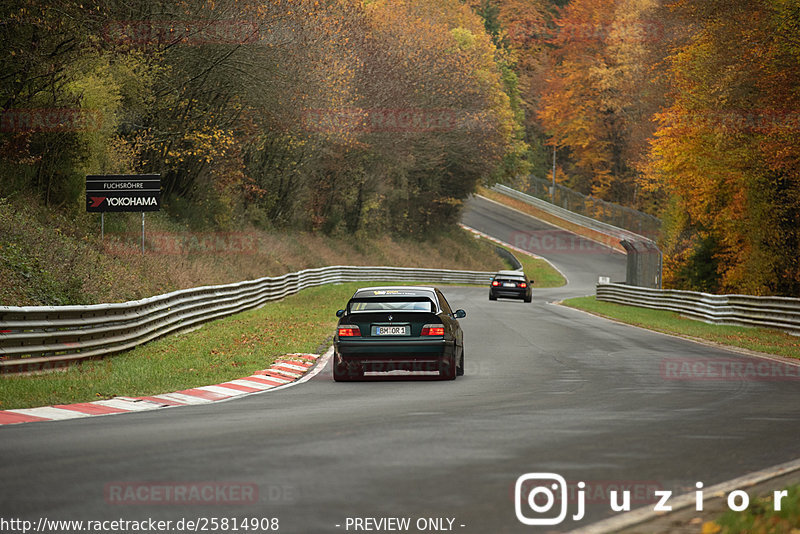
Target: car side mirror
point(460, 314)
point(530, 281)
point(339, 313)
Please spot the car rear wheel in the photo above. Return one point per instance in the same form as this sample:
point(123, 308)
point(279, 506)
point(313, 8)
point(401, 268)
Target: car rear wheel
point(347, 372)
point(447, 367)
point(528, 299)
point(460, 368)
point(492, 297)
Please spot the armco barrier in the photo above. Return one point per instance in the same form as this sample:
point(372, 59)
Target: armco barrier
point(509, 257)
point(644, 257)
point(609, 212)
point(46, 337)
point(743, 310)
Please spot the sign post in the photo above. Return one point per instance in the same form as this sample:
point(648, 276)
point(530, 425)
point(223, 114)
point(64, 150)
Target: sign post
point(122, 193)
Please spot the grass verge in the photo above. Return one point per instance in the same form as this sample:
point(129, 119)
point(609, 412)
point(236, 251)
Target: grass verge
point(230, 348)
point(757, 339)
point(761, 517)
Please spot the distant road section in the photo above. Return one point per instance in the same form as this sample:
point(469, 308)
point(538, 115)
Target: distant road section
point(581, 259)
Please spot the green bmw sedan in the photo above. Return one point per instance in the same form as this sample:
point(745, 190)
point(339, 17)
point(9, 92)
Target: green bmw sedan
point(398, 328)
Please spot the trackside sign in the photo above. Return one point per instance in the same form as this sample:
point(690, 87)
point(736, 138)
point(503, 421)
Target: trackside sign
point(123, 192)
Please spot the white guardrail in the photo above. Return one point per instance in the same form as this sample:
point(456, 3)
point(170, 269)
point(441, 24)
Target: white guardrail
point(743, 310)
point(47, 337)
point(571, 216)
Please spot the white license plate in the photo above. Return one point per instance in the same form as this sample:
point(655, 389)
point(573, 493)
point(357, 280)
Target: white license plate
point(391, 330)
point(509, 284)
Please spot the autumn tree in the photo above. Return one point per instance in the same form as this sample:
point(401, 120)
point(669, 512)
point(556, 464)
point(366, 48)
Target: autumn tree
point(330, 115)
point(727, 151)
point(596, 103)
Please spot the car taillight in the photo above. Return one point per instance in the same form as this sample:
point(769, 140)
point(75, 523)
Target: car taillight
point(349, 331)
point(432, 330)
point(495, 283)
point(522, 284)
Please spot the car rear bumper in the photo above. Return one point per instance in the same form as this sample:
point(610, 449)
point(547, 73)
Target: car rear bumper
point(357, 348)
point(509, 293)
point(395, 354)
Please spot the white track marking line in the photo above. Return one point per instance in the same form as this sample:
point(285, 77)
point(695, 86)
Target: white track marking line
point(641, 515)
point(704, 342)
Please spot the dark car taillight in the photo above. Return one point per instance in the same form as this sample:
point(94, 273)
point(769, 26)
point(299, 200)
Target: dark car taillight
point(349, 331)
point(432, 330)
point(522, 284)
point(495, 283)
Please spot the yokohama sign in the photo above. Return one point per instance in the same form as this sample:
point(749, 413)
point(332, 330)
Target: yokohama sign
point(123, 193)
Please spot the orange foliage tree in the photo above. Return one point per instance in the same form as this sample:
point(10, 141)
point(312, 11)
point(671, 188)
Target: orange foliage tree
point(594, 103)
point(727, 150)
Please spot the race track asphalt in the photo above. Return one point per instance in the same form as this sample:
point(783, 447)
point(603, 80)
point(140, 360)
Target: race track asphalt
point(547, 389)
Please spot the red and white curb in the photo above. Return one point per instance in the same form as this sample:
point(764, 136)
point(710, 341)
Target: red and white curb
point(287, 370)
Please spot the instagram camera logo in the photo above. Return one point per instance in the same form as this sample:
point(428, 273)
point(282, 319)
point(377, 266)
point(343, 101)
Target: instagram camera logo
point(539, 493)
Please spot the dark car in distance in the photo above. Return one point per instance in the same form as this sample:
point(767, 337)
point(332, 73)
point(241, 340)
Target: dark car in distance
point(511, 284)
point(398, 328)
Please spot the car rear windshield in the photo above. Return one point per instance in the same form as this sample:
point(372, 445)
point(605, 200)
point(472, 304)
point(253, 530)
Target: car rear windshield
point(393, 304)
